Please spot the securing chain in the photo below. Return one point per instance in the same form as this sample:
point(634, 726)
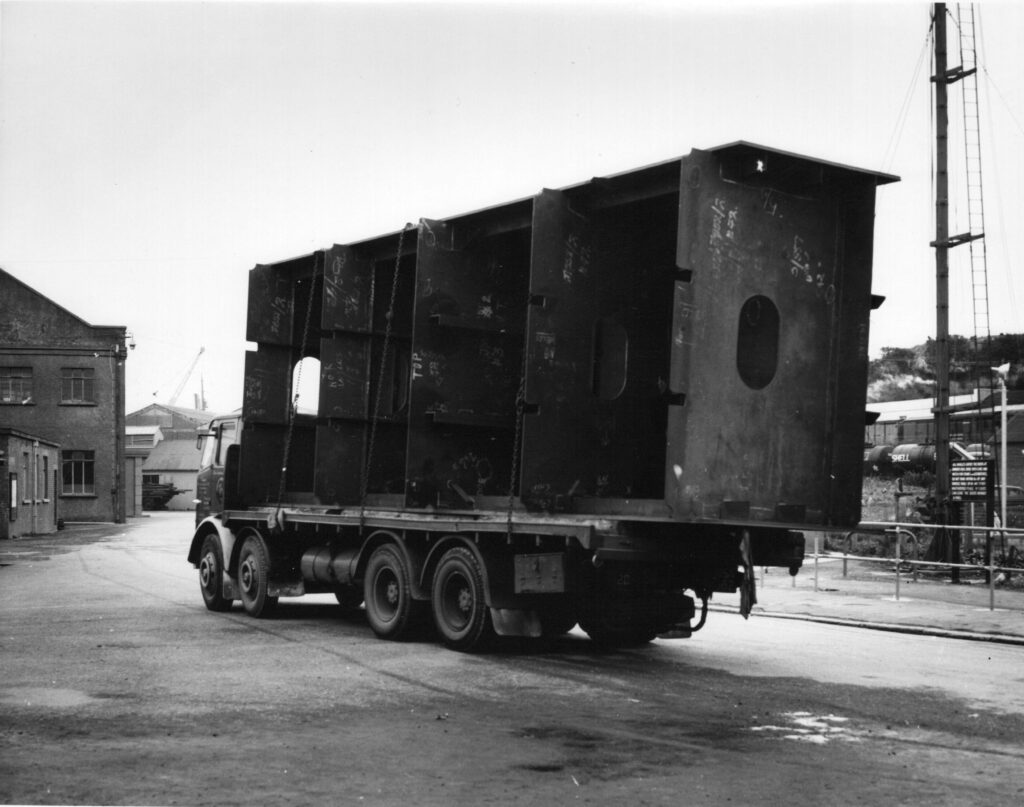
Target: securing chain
point(389, 318)
point(517, 439)
point(298, 383)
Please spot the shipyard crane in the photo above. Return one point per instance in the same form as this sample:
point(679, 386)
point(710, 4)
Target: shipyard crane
point(188, 375)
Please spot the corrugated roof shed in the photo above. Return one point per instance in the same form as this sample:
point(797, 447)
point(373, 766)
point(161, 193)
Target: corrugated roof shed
point(172, 455)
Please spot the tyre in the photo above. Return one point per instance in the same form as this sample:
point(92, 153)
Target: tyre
point(349, 598)
point(610, 632)
point(387, 593)
point(254, 578)
point(211, 574)
point(458, 601)
point(619, 622)
point(557, 621)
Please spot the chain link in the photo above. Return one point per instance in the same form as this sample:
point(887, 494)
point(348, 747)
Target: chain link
point(517, 439)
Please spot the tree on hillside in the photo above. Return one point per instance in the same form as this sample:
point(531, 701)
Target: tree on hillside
point(895, 361)
point(904, 373)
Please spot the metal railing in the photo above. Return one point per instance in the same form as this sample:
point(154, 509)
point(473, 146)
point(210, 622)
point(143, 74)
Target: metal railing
point(910, 531)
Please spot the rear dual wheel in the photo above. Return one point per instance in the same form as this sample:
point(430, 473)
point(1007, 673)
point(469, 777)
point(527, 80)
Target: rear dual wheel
point(458, 600)
point(557, 621)
point(211, 575)
point(387, 592)
point(615, 621)
point(254, 578)
point(609, 631)
point(349, 598)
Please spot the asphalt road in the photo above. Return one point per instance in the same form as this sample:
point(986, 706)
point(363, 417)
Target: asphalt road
point(118, 687)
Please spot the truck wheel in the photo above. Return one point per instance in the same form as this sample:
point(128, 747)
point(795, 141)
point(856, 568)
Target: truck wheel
point(253, 578)
point(349, 598)
point(557, 621)
point(211, 573)
point(387, 593)
point(460, 610)
point(617, 622)
point(609, 632)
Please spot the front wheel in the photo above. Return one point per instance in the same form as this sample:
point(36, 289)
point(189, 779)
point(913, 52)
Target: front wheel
point(254, 578)
point(461, 615)
point(211, 575)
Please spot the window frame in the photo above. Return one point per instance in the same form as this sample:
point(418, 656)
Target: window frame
point(72, 378)
point(84, 483)
point(24, 376)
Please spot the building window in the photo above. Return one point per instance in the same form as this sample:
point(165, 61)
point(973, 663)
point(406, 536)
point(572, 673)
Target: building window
point(77, 385)
point(16, 385)
point(151, 479)
point(78, 474)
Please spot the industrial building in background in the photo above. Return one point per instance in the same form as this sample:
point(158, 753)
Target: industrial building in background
point(165, 436)
point(62, 385)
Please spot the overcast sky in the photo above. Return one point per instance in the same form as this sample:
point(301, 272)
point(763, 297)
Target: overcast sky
point(152, 153)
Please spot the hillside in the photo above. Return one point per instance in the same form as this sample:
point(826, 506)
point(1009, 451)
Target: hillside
point(904, 373)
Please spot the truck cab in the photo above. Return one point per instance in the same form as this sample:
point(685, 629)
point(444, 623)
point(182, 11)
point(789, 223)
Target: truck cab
point(214, 441)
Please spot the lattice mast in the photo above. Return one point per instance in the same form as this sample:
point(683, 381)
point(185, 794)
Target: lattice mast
point(968, 75)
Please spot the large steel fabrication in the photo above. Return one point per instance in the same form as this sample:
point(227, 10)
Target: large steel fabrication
point(591, 406)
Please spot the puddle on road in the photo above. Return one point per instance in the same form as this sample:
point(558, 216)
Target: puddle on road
point(806, 727)
point(46, 697)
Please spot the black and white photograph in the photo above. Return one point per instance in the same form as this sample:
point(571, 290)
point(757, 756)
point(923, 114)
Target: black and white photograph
point(506, 402)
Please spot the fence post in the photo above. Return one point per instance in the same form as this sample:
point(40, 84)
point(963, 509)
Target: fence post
point(991, 571)
point(846, 549)
point(896, 532)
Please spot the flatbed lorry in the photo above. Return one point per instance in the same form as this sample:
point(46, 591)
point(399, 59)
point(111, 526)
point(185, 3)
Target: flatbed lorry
point(594, 406)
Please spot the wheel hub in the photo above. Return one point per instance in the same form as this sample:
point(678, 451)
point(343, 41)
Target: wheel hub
point(207, 569)
point(247, 576)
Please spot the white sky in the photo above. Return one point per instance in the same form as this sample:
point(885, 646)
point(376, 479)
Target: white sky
point(152, 153)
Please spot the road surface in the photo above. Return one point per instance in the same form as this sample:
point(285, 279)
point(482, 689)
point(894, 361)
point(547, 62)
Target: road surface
point(118, 687)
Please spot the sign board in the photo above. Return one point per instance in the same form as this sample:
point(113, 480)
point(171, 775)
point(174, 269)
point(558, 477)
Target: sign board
point(972, 480)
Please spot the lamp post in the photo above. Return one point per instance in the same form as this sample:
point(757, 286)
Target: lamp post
point(1002, 371)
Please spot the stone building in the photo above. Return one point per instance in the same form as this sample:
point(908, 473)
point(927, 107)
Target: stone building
point(62, 379)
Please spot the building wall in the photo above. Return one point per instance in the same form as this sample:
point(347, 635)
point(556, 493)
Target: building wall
point(38, 334)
